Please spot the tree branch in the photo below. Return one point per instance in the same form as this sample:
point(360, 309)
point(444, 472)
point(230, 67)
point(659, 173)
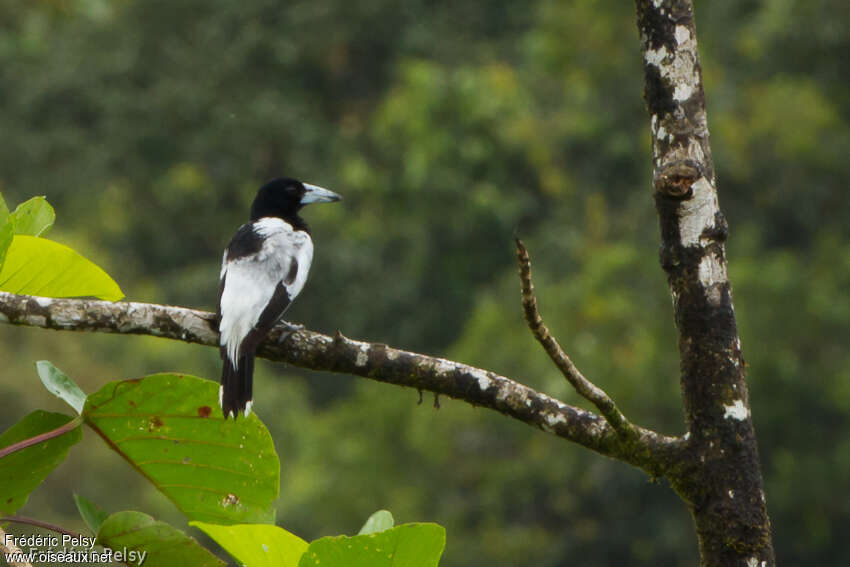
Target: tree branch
point(648, 450)
point(582, 385)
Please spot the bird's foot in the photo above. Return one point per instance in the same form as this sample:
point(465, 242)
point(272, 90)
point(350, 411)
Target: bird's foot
point(288, 329)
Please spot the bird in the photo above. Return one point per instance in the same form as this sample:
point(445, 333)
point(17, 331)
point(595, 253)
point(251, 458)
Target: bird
point(263, 270)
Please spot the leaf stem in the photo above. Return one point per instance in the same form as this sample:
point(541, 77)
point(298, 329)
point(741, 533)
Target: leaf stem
point(59, 431)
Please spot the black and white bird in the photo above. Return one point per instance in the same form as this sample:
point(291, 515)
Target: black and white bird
point(264, 268)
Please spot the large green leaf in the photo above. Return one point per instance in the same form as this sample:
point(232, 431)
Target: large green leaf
point(7, 233)
point(4, 210)
point(60, 385)
point(92, 514)
point(37, 266)
point(408, 545)
point(257, 545)
point(22, 471)
point(170, 427)
point(161, 544)
point(33, 217)
point(7, 230)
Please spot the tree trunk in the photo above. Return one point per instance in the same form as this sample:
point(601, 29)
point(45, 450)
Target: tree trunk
point(719, 474)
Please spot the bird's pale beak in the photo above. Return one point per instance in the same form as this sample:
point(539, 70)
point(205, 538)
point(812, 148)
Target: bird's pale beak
point(314, 194)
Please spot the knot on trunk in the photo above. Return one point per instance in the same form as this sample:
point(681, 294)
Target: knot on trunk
point(674, 179)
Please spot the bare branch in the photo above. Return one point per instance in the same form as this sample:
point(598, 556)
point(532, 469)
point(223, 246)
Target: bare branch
point(582, 385)
point(307, 349)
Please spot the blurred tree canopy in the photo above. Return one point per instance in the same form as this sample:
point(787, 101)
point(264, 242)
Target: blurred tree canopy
point(446, 126)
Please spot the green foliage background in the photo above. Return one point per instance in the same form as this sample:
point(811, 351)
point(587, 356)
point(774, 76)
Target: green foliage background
point(446, 125)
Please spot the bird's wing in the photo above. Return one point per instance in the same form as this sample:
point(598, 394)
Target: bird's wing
point(265, 268)
point(221, 280)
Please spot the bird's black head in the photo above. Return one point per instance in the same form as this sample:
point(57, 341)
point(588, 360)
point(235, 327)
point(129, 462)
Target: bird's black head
point(284, 197)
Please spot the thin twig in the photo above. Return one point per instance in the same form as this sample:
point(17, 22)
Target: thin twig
point(58, 432)
point(582, 385)
point(40, 524)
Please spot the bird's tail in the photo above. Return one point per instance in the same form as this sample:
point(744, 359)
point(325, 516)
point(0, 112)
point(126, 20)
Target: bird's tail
point(236, 392)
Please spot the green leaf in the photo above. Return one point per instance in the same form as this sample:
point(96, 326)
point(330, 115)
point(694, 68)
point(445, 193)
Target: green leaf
point(4, 210)
point(33, 217)
point(7, 233)
point(407, 545)
point(60, 385)
point(37, 266)
point(22, 471)
point(170, 427)
point(378, 522)
point(92, 514)
point(257, 545)
point(162, 545)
